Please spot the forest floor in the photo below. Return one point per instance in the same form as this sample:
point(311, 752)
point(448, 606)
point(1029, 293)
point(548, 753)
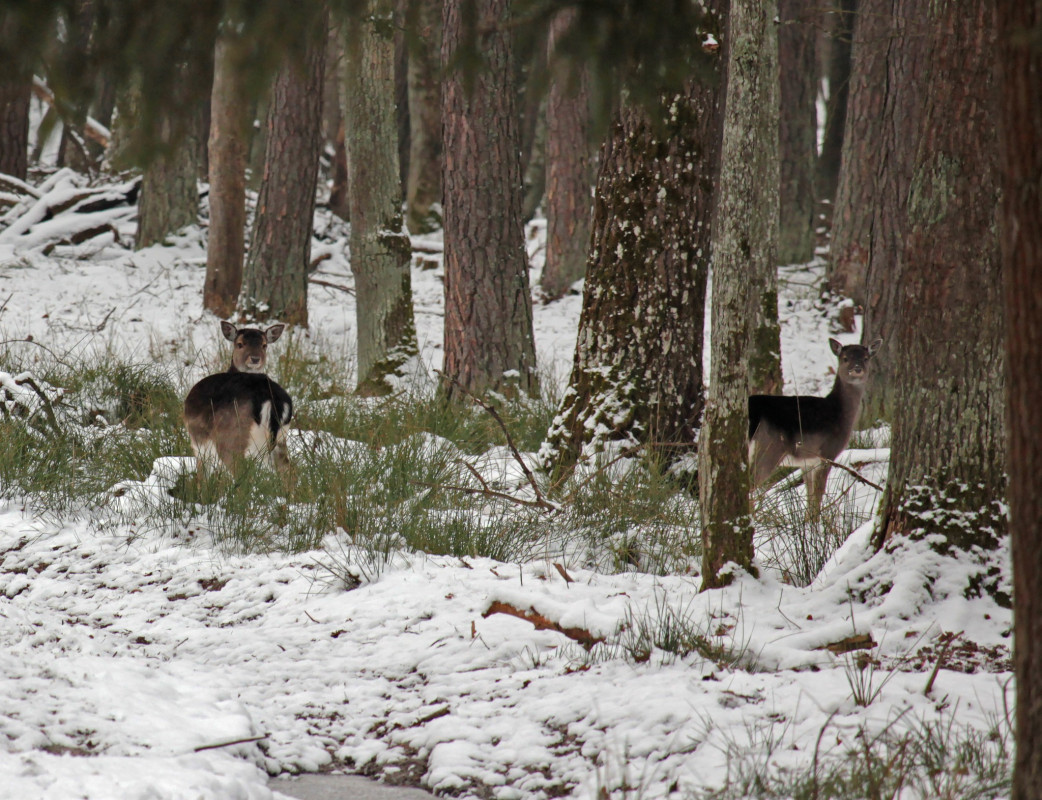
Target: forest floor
point(144, 660)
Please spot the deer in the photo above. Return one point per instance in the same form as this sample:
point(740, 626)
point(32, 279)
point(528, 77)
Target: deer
point(809, 432)
point(240, 413)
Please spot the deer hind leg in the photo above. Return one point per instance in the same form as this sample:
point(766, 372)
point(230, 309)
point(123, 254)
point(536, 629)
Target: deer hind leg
point(814, 478)
point(767, 449)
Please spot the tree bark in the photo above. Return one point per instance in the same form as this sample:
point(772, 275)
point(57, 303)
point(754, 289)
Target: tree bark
point(568, 201)
point(841, 30)
point(488, 305)
point(797, 130)
point(761, 260)
point(170, 183)
point(229, 126)
point(15, 94)
point(743, 234)
point(380, 250)
point(1019, 76)
point(423, 187)
point(276, 273)
point(637, 372)
point(855, 215)
point(947, 466)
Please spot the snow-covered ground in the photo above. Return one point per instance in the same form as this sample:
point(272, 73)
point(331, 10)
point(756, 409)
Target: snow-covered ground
point(126, 659)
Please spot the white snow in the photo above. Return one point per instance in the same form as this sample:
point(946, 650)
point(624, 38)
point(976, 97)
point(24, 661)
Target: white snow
point(123, 652)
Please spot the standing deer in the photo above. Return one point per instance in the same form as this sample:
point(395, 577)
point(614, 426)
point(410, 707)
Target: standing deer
point(809, 432)
point(241, 413)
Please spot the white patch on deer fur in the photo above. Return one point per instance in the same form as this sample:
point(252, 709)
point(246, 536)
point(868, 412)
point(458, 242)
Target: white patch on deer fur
point(260, 435)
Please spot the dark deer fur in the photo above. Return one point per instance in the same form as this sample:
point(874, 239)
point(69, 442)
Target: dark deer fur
point(808, 432)
point(241, 413)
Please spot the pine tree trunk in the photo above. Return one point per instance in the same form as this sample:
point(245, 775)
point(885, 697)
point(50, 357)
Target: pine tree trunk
point(637, 372)
point(488, 305)
point(947, 466)
point(797, 130)
point(841, 28)
point(567, 175)
point(275, 281)
point(764, 354)
point(170, 184)
point(229, 120)
point(423, 192)
point(380, 250)
point(743, 232)
point(864, 159)
point(15, 94)
point(1019, 77)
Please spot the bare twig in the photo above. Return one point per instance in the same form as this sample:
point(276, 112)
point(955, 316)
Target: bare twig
point(563, 573)
point(857, 475)
point(542, 502)
point(48, 410)
point(329, 285)
point(476, 474)
point(489, 493)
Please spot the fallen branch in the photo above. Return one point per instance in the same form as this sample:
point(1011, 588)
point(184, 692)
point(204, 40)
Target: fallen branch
point(230, 744)
point(541, 623)
point(92, 129)
point(45, 401)
point(857, 475)
point(859, 641)
point(945, 647)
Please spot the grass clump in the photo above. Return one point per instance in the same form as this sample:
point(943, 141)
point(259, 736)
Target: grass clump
point(926, 758)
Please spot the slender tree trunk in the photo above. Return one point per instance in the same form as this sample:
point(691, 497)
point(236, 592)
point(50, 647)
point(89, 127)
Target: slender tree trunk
point(229, 121)
point(423, 190)
point(15, 94)
point(380, 250)
point(568, 201)
point(637, 373)
point(333, 129)
point(761, 261)
point(797, 129)
point(275, 280)
point(865, 159)
point(743, 233)
point(947, 466)
point(1019, 78)
point(841, 29)
point(488, 304)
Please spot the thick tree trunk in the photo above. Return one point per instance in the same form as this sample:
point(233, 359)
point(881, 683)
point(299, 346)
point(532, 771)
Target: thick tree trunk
point(840, 30)
point(488, 304)
point(380, 251)
point(947, 466)
point(797, 129)
point(1019, 78)
point(423, 191)
point(275, 282)
point(15, 94)
point(637, 373)
point(229, 121)
point(855, 214)
point(170, 185)
point(568, 174)
point(743, 234)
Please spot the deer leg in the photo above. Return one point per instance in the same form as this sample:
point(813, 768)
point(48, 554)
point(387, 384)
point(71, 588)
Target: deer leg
point(815, 478)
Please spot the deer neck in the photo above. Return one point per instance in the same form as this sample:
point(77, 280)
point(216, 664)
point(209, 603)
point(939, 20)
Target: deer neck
point(847, 396)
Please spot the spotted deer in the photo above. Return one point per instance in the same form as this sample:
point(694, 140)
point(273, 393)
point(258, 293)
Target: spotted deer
point(809, 432)
point(240, 413)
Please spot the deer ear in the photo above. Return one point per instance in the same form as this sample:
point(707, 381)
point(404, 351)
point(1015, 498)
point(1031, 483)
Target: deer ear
point(274, 332)
point(229, 331)
point(836, 346)
point(874, 347)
